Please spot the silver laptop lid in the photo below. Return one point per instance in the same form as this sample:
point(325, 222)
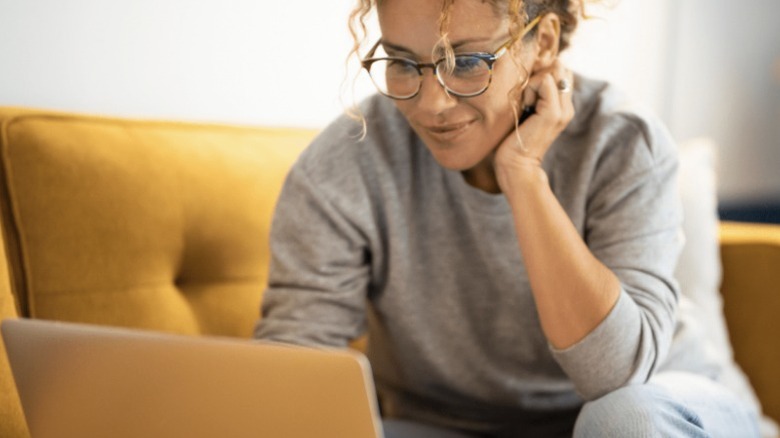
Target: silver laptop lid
point(89, 381)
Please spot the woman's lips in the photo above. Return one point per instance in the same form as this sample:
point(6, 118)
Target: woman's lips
point(448, 132)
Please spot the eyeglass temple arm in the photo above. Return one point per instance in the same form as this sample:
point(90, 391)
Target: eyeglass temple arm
point(371, 52)
point(528, 27)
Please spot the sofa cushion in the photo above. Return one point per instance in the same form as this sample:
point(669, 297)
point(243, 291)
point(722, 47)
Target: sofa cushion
point(699, 269)
point(141, 224)
point(751, 256)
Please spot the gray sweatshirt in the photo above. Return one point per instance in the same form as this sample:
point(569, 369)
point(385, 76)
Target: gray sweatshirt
point(375, 235)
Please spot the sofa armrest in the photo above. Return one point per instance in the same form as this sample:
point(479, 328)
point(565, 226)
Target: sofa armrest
point(750, 254)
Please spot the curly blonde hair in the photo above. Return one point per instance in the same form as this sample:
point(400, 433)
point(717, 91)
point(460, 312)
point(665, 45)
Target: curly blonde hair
point(519, 12)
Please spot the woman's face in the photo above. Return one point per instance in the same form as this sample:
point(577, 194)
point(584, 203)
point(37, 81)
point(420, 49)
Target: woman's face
point(460, 132)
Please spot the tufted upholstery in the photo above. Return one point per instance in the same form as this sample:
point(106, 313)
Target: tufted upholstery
point(141, 224)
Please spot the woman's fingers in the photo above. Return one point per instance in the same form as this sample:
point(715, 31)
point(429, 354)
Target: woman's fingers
point(548, 103)
point(550, 92)
point(525, 147)
point(566, 89)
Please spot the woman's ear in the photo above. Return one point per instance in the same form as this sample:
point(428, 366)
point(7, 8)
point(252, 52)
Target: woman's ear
point(547, 40)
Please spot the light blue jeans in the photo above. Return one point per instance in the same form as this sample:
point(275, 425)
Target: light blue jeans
point(672, 404)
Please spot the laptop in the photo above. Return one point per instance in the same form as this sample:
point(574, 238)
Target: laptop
point(86, 381)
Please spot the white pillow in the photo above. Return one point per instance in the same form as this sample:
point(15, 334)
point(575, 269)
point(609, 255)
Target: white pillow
point(699, 268)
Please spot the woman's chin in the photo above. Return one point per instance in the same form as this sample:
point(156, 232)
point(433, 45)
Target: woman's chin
point(454, 160)
point(454, 155)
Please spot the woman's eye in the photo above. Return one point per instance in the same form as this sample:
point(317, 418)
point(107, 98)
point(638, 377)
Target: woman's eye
point(465, 65)
point(398, 66)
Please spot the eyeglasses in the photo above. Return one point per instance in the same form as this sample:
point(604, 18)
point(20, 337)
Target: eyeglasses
point(469, 75)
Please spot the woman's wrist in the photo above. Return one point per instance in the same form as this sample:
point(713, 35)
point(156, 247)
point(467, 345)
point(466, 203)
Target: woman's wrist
point(520, 174)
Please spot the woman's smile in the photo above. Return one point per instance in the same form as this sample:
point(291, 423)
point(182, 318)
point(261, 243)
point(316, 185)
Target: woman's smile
point(447, 132)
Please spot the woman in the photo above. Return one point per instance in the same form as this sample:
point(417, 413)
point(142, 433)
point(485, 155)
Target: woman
point(515, 280)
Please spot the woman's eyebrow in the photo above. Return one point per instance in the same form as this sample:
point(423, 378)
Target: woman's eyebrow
point(463, 42)
point(395, 47)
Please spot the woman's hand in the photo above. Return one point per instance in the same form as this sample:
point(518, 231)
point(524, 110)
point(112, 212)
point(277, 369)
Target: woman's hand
point(525, 148)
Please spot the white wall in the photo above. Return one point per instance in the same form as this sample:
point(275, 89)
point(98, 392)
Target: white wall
point(244, 61)
point(727, 86)
point(708, 68)
point(627, 43)
point(700, 64)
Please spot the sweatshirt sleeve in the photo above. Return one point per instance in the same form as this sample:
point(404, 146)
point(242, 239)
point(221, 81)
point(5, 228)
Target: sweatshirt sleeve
point(633, 219)
point(318, 272)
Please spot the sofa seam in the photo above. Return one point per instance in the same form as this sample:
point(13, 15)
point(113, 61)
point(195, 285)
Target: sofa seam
point(173, 284)
point(14, 244)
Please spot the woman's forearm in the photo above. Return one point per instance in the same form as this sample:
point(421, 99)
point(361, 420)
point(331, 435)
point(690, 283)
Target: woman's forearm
point(573, 290)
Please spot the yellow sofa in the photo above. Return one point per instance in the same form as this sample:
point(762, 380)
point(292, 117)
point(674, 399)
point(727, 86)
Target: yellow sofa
point(164, 226)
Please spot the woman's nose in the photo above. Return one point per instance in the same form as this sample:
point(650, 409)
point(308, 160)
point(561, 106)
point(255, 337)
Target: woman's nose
point(433, 97)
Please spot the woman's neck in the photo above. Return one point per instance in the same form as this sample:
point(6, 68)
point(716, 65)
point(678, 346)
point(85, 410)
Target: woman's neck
point(483, 176)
